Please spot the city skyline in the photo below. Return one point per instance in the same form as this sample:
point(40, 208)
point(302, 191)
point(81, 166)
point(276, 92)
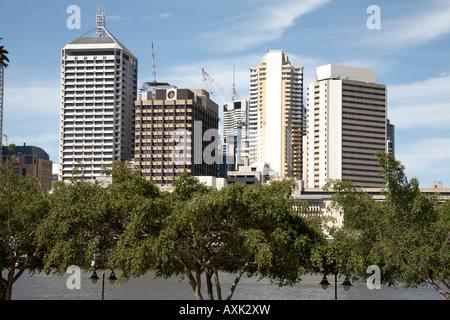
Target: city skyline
point(409, 52)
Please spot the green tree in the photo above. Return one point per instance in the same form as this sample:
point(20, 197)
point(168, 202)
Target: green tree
point(24, 205)
point(407, 235)
point(3, 58)
point(79, 228)
point(86, 219)
point(239, 230)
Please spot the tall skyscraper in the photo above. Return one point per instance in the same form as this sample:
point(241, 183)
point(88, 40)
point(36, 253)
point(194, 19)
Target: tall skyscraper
point(98, 90)
point(235, 133)
point(275, 114)
point(346, 125)
point(172, 134)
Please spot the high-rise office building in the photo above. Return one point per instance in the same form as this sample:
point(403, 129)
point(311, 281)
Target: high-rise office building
point(346, 125)
point(276, 114)
point(235, 145)
point(98, 90)
point(176, 131)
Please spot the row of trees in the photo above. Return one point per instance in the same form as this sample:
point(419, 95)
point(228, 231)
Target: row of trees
point(194, 233)
point(132, 226)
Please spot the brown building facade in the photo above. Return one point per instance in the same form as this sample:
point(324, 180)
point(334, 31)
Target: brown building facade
point(30, 161)
point(171, 136)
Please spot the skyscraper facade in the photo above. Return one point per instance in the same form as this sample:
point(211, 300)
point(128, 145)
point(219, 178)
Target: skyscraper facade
point(174, 133)
point(276, 114)
point(98, 90)
point(235, 133)
point(346, 125)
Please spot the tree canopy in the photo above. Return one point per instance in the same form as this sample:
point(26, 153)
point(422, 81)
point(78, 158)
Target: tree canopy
point(24, 205)
point(191, 232)
point(407, 235)
point(238, 229)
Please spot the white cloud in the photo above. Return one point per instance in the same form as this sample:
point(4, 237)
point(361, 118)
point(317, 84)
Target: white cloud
point(420, 104)
point(263, 24)
point(415, 30)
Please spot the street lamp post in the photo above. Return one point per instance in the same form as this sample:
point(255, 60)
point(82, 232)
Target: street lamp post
point(112, 279)
point(324, 283)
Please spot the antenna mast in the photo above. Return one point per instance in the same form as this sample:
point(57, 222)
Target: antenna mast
point(100, 23)
point(233, 88)
point(153, 64)
point(234, 94)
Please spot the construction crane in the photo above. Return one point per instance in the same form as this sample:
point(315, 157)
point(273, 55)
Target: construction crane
point(216, 86)
point(241, 122)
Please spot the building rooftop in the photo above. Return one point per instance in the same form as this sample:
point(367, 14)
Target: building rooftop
point(333, 71)
point(95, 43)
point(26, 150)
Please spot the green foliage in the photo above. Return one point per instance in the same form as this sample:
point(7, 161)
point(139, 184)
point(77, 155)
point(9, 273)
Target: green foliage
point(23, 207)
point(407, 235)
point(3, 58)
point(191, 232)
point(238, 229)
point(87, 219)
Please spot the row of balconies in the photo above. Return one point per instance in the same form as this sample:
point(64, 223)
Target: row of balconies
point(89, 80)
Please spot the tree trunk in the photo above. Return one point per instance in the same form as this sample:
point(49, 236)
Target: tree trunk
point(2, 289)
point(439, 289)
point(209, 284)
point(198, 293)
point(218, 288)
point(236, 281)
point(10, 284)
point(194, 282)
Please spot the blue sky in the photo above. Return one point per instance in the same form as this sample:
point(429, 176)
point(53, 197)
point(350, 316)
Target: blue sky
point(411, 52)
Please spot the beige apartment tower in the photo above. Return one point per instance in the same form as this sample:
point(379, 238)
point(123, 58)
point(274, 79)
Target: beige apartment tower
point(276, 113)
point(174, 133)
point(346, 125)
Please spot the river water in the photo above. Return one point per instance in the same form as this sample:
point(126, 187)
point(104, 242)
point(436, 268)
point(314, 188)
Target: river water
point(50, 287)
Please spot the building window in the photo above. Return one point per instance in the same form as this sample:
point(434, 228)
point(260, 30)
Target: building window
point(24, 172)
point(28, 160)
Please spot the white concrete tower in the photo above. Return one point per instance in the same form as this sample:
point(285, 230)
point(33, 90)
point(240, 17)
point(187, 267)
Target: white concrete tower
point(346, 125)
point(98, 91)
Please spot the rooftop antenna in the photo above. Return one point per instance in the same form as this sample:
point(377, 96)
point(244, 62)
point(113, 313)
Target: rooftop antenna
point(233, 88)
point(100, 22)
point(153, 65)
